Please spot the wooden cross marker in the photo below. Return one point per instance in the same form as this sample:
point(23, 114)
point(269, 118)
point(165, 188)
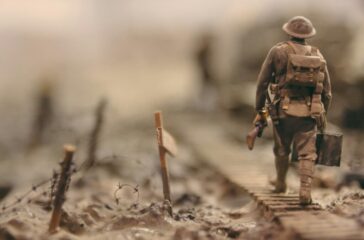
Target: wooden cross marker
point(62, 186)
point(166, 144)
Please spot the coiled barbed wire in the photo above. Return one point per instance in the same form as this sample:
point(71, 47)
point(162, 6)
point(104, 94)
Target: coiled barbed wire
point(121, 186)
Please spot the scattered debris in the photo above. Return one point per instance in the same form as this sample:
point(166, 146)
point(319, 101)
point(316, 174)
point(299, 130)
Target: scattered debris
point(188, 198)
point(351, 178)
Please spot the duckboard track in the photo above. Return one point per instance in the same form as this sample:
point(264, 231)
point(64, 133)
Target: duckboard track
point(250, 170)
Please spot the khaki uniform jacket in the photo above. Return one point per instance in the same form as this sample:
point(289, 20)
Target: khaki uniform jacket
point(275, 66)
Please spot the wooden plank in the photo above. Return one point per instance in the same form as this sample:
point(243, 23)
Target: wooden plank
point(264, 194)
point(273, 203)
point(292, 213)
point(288, 207)
point(279, 198)
point(169, 143)
point(331, 235)
point(164, 138)
point(166, 141)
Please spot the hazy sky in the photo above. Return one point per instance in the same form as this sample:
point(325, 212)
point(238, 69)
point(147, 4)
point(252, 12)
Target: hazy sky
point(55, 15)
point(81, 38)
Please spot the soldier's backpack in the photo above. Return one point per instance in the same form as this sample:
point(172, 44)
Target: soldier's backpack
point(304, 70)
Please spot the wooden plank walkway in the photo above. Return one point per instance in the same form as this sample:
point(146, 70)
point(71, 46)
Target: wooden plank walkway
point(241, 167)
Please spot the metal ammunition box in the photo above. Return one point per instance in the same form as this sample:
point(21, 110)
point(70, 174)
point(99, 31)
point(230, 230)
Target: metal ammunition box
point(328, 146)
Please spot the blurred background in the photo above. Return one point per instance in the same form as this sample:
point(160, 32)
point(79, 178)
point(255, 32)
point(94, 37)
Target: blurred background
point(142, 55)
point(64, 56)
point(59, 58)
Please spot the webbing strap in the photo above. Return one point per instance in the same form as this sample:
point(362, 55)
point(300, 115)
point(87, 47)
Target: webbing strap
point(319, 88)
point(316, 97)
point(293, 48)
point(308, 49)
point(314, 51)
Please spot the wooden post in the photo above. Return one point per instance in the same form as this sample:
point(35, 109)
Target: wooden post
point(61, 188)
point(95, 134)
point(43, 116)
point(162, 156)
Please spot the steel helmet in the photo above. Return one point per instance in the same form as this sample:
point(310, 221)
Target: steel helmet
point(299, 27)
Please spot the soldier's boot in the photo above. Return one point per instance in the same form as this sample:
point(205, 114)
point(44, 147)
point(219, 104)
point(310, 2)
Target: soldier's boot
point(281, 163)
point(306, 168)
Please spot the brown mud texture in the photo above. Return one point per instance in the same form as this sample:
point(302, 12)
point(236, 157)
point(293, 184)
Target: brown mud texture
point(120, 196)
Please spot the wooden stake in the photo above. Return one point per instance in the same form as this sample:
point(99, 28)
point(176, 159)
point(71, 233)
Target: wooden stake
point(61, 188)
point(162, 156)
point(43, 116)
point(95, 134)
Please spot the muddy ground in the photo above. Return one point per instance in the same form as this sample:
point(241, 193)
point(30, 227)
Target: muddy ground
point(206, 205)
point(121, 196)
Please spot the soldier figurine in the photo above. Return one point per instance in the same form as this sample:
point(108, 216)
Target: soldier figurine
point(298, 99)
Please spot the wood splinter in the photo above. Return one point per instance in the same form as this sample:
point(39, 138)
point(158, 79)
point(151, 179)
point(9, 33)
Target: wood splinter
point(166, 144)
point(61, 189)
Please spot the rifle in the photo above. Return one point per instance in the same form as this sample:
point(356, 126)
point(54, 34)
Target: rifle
point(257, 131)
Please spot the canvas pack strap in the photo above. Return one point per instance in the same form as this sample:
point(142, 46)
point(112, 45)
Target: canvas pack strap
point(308, 50)
point(316, 106)
point(314, 51)
point(285, 99)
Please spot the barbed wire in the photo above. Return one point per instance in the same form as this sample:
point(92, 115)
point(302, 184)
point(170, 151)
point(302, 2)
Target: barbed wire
point(21, 199)
point(25, 197)
point(120, 187)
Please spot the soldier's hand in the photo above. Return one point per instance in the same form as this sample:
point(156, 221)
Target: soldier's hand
point(260, 118)
point(257, 118)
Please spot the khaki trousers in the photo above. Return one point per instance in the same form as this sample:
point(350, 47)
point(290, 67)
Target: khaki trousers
point(298, 130)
